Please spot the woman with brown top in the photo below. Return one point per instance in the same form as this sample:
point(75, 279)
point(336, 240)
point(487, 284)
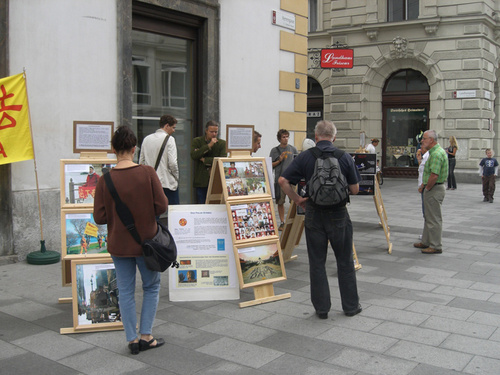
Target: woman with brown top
point(140, 189)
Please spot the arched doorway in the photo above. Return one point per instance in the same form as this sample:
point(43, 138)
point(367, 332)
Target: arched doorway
point(314, 105)
point(405, 106)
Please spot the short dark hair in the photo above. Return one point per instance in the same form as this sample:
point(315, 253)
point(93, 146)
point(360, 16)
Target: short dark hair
point(256, 135)
point(282, 132)
point(211, 123)
point(167, 120)
point(124, 139)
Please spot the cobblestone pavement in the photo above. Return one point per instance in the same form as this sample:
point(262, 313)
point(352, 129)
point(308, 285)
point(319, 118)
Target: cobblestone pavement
point(422, 314)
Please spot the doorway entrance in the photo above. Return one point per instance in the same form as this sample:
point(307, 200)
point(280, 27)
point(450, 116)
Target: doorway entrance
point(165, 65)
point(405, 116)
point(314, 105)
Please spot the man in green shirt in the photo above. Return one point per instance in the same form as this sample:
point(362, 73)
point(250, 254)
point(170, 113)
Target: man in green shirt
point(435, 174)
point(203, 151)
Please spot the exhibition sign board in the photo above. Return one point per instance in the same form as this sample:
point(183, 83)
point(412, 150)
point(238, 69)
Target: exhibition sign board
point(95, 296)
point(207, 270)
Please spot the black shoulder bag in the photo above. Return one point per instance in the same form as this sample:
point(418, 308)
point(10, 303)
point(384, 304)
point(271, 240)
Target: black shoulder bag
point(160, 252)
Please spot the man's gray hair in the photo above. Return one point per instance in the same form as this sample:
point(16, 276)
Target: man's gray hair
point(432, 134)
point(325, 129)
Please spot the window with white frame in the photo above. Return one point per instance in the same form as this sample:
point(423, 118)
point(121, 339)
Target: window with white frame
point(140, 86)
point(402, 10)
point(173, 85)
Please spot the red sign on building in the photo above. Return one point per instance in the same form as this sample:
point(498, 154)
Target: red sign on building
point(337, 58)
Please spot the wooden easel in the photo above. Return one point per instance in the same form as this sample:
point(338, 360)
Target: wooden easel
point(218, 194)
point(379, 205)
point(292, 232)
point(85, 157)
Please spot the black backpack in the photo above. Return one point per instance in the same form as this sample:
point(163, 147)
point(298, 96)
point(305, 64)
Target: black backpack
point(327, 186)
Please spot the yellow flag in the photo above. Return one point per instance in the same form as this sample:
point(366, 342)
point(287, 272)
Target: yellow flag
point(15, 136)
point(91, 230)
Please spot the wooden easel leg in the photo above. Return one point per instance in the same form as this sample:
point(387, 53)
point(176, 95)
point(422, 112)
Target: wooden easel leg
point(357, 265)
point(264, 294)
point(379, 205)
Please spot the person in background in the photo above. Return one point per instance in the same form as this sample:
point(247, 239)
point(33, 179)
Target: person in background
point(422, 156)
point(282, 157)
point(257, 137)
point(203, 151)
point(139, 187)
point(326, 224)
point(452, 151)
point(488, 171)
point(435, 174)
point(92, 178)
point(168, 170)
point(370, 148)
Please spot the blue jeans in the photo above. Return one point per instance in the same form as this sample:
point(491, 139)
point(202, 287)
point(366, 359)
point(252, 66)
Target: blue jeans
point(172, 196)
point(334, 226)
point(452, 182)
point(201, 194)
point(125, 276)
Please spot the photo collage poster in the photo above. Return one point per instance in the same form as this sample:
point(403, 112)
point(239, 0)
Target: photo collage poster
point(252, 220)
point(245, 178)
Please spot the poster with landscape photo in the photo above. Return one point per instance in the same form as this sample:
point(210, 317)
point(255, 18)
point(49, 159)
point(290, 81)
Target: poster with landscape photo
point(260, 263)
point(81, 235)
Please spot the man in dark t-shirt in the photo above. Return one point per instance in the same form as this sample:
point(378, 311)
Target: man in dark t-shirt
point(326, 224)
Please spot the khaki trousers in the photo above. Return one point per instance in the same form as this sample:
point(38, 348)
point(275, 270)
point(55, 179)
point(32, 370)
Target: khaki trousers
point(433, 225)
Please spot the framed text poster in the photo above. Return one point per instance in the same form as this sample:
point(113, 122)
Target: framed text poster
point(92, 136)
point(207, 270)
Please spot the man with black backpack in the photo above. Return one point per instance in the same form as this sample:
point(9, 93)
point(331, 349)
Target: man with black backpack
point(330, 176)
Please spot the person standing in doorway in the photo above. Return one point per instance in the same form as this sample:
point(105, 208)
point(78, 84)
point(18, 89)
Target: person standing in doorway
point(435, 174)
point(452, 151)
point(203, 151)
point(326, 224)
point(282, 157)
point(163, 158)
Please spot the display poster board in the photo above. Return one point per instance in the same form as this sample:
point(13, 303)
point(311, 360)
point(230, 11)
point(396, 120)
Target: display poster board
point(79, 179)
point(95, 296)
point(367, 168)
point(81, 238)
point(207, 270)
point(92, 136)
point(260, 263)
point(252, 220)
point(81, 235)
point(239, 137)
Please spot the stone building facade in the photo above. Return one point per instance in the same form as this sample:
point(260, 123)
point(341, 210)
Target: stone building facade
point(129, 62)
point(417, 65)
